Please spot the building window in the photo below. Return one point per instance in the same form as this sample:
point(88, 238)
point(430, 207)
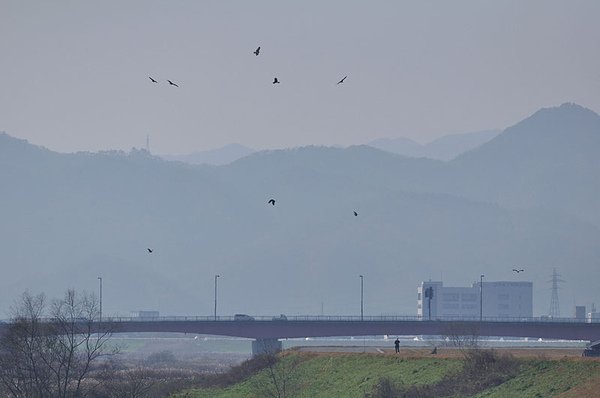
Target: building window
point(419, 296)
point(451, 296)
point(503, 306)
point(468, 297)
point(503, 296)
point(450, 306)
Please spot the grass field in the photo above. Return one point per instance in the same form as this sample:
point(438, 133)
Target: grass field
point(551, 378)
point(355, 375)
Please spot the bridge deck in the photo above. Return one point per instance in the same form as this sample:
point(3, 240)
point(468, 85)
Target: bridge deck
point(299, 327)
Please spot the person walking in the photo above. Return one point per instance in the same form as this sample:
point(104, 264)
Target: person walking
point(397, 345)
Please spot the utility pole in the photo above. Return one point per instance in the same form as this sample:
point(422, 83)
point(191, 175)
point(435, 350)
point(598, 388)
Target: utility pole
point(216, 276)
point(361, 297)
point(481, 298)
point(100, 279)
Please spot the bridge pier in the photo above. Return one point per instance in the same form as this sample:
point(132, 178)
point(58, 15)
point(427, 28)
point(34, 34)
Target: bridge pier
point(266, 346)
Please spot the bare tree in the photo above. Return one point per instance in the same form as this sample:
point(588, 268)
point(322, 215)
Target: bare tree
point(133, 383)
point(22, 370)
point(51, 357)
point(281, 379)
point(463, 336)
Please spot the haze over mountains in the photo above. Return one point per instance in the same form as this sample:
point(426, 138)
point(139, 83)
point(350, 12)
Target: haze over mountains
point(217, 157)
point(528, 197)
point(444, 148)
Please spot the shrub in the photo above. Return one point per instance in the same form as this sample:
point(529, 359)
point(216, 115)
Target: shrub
point(481, 370)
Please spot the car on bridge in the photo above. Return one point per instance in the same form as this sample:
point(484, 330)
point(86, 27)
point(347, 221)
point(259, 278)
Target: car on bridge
point(281, 317)
point(242, 317)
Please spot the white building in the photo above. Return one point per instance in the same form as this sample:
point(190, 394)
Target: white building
point(500, 299)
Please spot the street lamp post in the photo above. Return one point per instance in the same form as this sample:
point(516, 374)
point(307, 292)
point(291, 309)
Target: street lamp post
point(481, 298)
point(361, 297)
point(100, 279)
point(216, 276)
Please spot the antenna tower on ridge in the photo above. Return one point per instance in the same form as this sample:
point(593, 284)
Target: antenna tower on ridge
point(554, 304)
point(148, 143)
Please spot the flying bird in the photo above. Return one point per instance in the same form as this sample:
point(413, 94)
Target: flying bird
point(150, 250)
point(341, 81)
point(518, 270)
point(172, 84)
point(257, 51)
point(271, 202)
point(153, 81)
point(276, 81)
point(355, 213)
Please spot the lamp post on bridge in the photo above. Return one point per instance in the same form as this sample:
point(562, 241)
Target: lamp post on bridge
point(216, 276)
point(481, 298)
point(100, 279)
point(361, 297)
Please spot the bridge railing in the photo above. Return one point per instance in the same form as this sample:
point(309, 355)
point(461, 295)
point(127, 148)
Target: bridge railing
point(345, 318)
point(334, 318)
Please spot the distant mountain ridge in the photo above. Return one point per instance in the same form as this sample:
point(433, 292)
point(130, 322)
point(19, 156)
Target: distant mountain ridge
point(217, 157)
point(548, 160)
point(444, 148)
point(529, 197)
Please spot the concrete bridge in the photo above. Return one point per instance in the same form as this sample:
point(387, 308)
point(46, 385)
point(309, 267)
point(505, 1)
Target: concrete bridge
point(268, 330)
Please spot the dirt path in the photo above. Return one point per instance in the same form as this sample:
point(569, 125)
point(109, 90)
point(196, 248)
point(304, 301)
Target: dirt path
point(445, 352)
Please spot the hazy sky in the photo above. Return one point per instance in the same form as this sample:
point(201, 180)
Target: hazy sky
point(74, 74)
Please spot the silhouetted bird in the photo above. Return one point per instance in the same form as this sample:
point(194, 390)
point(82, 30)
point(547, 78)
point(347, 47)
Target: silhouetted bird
point(150, 250)
point(257, 51)
point(275, 81)
point(434, 351)
point(153, 81)
point(341, 81)
point(355, 213)
point(518, 270)
point(172, 84)
point(271, 202)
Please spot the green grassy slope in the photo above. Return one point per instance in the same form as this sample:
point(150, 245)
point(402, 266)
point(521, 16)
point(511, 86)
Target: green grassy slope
point(353, 375)
point(548, 378)
point(345, 375)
